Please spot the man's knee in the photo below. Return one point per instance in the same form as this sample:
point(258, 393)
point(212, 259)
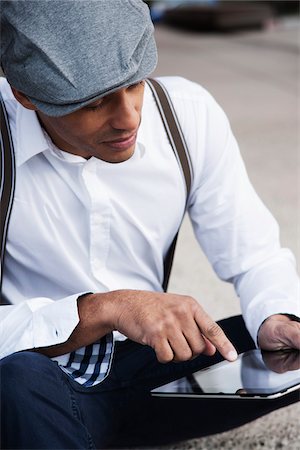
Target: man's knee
point(37, 401)
point(23, 372)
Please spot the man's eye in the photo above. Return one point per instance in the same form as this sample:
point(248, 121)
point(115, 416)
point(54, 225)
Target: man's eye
point(94, 107)
point(135, 85)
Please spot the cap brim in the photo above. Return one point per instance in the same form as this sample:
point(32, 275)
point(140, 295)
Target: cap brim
point(146, 67)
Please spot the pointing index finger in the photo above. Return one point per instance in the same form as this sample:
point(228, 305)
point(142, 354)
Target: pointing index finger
point(214, 333)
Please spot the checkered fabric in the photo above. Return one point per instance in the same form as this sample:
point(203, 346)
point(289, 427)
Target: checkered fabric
point(89, 365)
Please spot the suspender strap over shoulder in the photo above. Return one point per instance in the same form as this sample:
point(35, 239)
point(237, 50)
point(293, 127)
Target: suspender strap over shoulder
point(7, 167)
point(180, 149)
point(7, 180)
point(173, 130)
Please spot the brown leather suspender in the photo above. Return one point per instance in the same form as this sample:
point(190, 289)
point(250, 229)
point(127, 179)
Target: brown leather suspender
point(180, 149)
point(7, 183)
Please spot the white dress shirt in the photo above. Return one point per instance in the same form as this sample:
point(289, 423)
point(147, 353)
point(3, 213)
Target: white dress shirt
point(90, 226)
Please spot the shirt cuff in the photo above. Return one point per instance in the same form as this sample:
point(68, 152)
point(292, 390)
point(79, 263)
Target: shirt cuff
point(53, 321)
point(38, 322)
point(256, 316)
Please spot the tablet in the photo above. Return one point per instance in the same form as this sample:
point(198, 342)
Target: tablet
point(247, 377)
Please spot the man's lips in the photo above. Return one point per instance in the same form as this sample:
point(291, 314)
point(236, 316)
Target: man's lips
point(122, 143)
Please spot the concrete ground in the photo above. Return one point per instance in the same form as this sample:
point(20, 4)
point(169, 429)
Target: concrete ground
point(255, 78)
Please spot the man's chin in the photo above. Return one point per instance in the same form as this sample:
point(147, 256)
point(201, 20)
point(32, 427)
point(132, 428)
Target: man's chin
point(117, 156)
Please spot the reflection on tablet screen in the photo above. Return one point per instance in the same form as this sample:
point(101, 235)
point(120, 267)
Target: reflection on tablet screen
point(247, 375)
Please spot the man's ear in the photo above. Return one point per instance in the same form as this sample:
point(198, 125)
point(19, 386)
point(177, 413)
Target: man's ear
point(23, 99)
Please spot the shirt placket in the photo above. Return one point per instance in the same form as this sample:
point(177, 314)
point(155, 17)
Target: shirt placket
point(100, 215)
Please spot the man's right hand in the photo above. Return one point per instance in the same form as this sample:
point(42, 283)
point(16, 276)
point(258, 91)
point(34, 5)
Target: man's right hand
point(175, 326)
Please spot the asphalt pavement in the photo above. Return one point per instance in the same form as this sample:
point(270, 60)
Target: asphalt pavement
point(254, 75)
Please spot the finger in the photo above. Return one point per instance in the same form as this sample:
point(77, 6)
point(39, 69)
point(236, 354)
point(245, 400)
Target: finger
point(196, 341)
point(214, 334)
point(164, 352)
point(210, 349)
point(181, 349)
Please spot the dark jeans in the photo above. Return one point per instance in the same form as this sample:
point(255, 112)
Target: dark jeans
point(42, 409)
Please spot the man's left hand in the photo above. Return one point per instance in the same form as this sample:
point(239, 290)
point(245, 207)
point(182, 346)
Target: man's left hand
point(279, 332)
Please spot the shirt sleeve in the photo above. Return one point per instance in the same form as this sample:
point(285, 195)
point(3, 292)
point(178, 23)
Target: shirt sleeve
point(237, 232)
point(38, 322)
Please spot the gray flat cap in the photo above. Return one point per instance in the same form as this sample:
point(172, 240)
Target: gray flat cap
point(65, 54)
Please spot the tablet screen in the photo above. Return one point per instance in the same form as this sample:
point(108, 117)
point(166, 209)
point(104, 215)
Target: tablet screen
point(247, 376)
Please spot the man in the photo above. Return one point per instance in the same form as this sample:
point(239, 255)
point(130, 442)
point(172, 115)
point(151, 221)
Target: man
point(99, 197)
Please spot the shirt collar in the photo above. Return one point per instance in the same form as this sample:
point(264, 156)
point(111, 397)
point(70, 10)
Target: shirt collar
point(30, 139)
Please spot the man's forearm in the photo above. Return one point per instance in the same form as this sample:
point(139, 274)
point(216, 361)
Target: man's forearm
point(95, 322)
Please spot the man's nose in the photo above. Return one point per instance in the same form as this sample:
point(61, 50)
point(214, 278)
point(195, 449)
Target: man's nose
point(125, 113)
